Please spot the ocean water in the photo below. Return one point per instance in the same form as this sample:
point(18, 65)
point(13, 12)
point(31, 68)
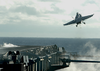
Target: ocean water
point(70, 44)
point(81, 46)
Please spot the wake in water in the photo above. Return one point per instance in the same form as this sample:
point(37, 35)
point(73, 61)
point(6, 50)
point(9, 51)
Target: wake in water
point(90, 49)
point(9, 45)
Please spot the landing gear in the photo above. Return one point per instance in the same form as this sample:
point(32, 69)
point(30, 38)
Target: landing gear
point(84, 22)
point(77, 25)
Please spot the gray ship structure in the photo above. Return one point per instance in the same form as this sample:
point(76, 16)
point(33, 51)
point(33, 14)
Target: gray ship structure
point(36, 58)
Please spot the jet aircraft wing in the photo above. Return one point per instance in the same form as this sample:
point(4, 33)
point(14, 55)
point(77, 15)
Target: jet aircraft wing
point(71, 22)
point(86, 17)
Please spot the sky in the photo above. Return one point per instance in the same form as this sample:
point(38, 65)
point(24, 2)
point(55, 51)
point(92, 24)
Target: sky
point(45, 18)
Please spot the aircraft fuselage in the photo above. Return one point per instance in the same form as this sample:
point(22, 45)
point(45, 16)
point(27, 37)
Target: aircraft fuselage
point(78, 20)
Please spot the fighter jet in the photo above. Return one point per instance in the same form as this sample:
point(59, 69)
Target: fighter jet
point(78, 19)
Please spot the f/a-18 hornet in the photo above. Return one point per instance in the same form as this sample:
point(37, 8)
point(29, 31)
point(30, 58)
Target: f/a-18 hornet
point(78, 19)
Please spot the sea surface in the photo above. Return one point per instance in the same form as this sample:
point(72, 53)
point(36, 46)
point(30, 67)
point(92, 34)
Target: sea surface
point(80, 45)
